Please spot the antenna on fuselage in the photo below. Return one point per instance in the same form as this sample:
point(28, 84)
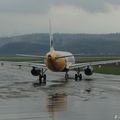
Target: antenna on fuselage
point(51, 36)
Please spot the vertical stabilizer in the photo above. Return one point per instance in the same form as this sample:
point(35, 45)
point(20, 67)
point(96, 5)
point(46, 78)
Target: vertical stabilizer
point(51, 36)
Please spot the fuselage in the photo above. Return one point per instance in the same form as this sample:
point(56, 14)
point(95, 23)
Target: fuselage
point(58, 61)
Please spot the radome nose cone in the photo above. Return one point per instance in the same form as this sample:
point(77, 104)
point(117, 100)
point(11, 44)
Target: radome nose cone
point(49, 56)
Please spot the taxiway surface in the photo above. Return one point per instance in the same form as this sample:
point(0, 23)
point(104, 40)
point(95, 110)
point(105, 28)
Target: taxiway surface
point(94, 98)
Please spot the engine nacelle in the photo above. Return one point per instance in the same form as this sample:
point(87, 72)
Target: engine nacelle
point(35, 71)
point(88, 70)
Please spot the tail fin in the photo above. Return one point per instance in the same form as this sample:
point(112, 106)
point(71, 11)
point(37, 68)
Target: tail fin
point(51, 36)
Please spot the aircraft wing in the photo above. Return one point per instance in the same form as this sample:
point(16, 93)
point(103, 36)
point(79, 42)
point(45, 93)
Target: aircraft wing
point(39, 66)
point(24, 55)
point(29, 64)
point(81, 65)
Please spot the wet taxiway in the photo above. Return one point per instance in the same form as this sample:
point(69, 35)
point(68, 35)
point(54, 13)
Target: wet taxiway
point(94, 98)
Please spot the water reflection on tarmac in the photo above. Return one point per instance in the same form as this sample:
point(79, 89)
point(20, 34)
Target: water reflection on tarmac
point(95, 98)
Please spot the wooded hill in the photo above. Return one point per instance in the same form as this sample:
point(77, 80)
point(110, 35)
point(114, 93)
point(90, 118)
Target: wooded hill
point(84, 44)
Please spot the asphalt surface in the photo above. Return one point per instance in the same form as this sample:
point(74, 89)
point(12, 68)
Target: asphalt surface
point(94, 98)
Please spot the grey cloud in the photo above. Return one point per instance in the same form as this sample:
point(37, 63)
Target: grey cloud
point(91, 5)
point(43, 6)
point(114, 1)
point(24, 6)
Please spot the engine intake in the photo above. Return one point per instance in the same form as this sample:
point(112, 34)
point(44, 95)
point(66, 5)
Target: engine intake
point(88, 70)
point(35, 71)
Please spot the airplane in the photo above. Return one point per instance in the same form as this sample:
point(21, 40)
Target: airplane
point(61, 61)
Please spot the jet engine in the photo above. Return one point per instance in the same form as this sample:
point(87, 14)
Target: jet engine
point(35, 71)
point(88, 70)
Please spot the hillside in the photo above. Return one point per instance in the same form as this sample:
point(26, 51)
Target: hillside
point(85, 44)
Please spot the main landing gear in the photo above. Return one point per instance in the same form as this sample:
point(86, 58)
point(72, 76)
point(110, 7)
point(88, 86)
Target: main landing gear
point(78, 76)
point(42, 78)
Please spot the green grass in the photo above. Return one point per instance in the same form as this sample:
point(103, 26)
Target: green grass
point(107, 69)
point(19, 59)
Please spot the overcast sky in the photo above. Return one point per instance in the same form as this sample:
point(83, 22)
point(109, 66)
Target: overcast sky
point(68, 16)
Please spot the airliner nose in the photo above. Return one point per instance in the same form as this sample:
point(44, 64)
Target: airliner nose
point(49, 56)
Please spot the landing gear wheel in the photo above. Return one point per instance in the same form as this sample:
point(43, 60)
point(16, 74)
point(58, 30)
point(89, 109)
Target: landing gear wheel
point(44, 78)
point(80, 77)
point(40, 79)
point(76, 77)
